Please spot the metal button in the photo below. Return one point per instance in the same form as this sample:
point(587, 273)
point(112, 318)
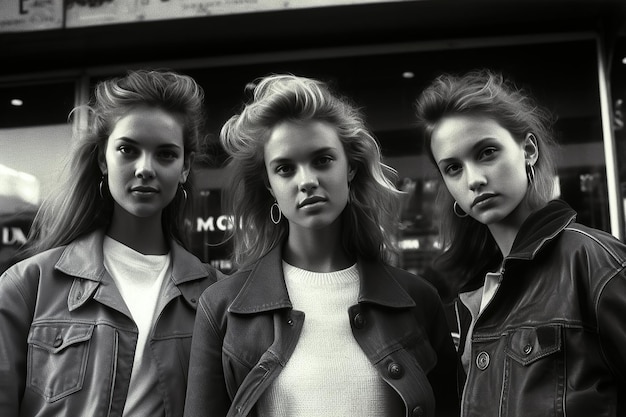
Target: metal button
point(418, 412)
point(482, 360)
point(359, 321)
point(193, 300)
point(290, 322)
point(527, 349)
point(58, 342)
point(395, 370)
point(79, 295)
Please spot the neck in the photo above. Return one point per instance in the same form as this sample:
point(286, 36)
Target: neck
point(145, 235)
point(316, 250)
point(505, 231)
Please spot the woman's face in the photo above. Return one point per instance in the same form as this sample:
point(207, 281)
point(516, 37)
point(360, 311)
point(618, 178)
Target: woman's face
point(308, 173)
point(483, 167)
point(144, 161)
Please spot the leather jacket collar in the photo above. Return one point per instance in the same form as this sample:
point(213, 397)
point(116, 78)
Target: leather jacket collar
point(541, 227)
point(265, 287)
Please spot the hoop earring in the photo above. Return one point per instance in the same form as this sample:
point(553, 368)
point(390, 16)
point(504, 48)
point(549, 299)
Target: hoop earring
point(349, 194)
point(272, 216)
point(530, 173)
point(182, 189)
point(458, 211)
point(100, 186)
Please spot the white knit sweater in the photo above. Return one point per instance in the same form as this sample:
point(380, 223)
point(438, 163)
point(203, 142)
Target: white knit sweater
point(328, 373)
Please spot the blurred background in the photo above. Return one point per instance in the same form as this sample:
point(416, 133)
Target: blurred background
point(571, 55)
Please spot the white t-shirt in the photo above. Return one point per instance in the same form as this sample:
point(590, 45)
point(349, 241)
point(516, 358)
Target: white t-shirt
point(139, 279)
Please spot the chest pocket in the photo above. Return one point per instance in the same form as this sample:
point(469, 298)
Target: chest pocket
point(57, 358)
point(534, 371)
point(528, 345)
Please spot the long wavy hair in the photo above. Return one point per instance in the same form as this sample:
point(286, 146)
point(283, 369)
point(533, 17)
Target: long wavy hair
point(469, 248)
point(82, 202)
point(371, 216)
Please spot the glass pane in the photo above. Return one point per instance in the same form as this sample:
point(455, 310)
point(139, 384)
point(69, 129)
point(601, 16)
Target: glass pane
point(561, 75)
point(34, 138)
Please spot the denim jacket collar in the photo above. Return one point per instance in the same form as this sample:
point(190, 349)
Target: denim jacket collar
point(83, 258)
point(265, 288)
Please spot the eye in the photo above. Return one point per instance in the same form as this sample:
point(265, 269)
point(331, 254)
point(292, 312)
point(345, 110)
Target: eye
point(324, 160)
point(452, 169)
point(126, 149)
point(488, 152)
point(284, 170)
point(168, 155)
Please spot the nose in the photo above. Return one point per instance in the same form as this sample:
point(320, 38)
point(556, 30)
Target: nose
point(475, 177)
point(144, 168)
point(308, 180)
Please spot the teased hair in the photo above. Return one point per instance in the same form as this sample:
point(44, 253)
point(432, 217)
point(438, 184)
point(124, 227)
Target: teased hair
point(76, 206)
point(469, 248)
point(370, 217)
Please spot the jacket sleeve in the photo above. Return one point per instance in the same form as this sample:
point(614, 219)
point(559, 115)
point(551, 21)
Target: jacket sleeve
point(611, 308)
point(16, 312)
point(206, 387)
point(443, 377)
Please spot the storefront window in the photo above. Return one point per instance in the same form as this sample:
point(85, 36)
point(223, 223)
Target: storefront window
point(34, 138)
point(618, 83)
point(562, 75)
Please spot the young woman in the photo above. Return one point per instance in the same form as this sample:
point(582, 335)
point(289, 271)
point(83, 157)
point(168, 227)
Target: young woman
point(540, 298)
point(99, 321)
point(315, 322)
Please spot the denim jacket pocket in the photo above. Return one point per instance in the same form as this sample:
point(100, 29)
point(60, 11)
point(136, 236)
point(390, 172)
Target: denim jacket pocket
point(528, 345)
point(57, 358)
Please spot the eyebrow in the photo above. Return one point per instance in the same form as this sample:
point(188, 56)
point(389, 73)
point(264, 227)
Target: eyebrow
point(474, 147)
point(136, 143)
point(321, 151)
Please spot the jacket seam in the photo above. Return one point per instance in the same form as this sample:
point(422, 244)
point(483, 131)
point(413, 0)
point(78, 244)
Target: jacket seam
point(617, 259)
point(210, 320)
point(577, 324)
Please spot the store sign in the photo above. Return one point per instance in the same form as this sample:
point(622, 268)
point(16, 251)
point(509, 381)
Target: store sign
point(29, 15)
point(98, 12)
point(220, 223)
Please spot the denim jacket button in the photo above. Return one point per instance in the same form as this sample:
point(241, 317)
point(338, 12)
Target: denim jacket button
point(418, 412)
point(359, 321)
point(528, 349)
point(395, 370)
point(482, 360)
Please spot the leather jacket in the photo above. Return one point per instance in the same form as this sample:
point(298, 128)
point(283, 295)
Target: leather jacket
point(552, 340)
point(246, 331)
point(68, 339)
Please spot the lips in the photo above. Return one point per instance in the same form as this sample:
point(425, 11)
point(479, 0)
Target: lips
point(481, 198)
point(144, 189)
point(311, 200)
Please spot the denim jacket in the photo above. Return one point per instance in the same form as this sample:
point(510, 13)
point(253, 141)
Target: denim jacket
point(552, 340)
point(68, 339)
point(246, 331)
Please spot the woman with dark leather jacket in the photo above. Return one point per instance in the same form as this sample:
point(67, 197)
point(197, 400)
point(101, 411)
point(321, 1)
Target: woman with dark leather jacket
point(315, 322)
point(98, 321)
point(539, 298)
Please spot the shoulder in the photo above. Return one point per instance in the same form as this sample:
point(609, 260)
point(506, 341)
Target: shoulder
point(39, 263)
point(593, 243)
point(25, 277)
point(225, 289)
